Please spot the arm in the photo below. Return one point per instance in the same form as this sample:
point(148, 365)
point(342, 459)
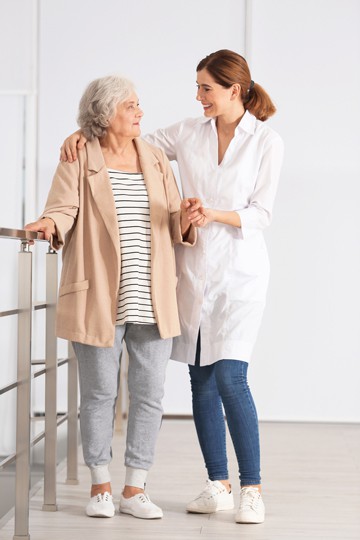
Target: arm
point(257, 214)
point(182, 231)
point(200, 216)
point(166, 139)
point(163, 138)
point(62, 205)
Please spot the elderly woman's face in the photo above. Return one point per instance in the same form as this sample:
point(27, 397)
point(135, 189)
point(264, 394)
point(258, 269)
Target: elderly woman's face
point(126, 122)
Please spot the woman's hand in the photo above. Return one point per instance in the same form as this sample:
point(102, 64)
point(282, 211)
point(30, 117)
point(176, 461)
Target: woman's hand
point(189, 212)
point(195, 213)
point(204, 216)
point(45, 225)
point(76, 141)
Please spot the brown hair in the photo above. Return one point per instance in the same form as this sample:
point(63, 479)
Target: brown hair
point(228, 68)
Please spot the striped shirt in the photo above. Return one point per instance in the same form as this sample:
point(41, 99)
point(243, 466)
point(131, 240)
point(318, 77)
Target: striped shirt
point(133, 214)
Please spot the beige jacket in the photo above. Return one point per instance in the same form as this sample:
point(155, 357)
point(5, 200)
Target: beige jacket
point(81, 203)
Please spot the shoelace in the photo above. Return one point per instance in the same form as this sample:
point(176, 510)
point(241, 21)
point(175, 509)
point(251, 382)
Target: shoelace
point(210, 489)
point(100, 497)
point(249, 498)
point(144, 498)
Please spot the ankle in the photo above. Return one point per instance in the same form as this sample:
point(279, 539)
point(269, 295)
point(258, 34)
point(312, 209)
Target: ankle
point(131, 491)
point(100, 488)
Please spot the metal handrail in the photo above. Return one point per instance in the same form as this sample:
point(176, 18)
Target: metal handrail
point(23, 385)
point(21, 234)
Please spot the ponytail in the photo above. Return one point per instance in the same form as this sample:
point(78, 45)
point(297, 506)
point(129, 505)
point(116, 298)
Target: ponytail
point(258, 102)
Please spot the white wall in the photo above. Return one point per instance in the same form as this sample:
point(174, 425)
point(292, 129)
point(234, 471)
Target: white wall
point(306, 54)
point(306, 364)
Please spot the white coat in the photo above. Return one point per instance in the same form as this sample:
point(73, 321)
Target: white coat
point(222, 281)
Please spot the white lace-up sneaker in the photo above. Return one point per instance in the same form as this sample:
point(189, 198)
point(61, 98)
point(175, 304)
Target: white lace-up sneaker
point(251, 508)
point(140, 506)
point(215, 497)
point(101, 505)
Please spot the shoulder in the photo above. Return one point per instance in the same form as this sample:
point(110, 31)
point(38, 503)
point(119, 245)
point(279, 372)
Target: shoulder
point(267, 135)
point(149, 152)
point(189, 125)
point(263, 129)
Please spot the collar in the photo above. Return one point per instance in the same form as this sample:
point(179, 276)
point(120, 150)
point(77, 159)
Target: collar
point(247, 124)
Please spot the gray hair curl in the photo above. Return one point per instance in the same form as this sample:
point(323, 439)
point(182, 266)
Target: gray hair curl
point(98, 104)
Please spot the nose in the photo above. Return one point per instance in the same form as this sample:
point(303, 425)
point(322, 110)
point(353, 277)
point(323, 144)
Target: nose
point(140, 113)
point(198, 96)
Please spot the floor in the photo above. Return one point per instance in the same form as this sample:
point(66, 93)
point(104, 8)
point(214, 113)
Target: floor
point(311, 479)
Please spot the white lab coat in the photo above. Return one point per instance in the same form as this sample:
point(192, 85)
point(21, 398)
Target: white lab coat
point(222, 280)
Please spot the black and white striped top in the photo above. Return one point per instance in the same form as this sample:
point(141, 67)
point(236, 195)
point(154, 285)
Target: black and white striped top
point(133, 214)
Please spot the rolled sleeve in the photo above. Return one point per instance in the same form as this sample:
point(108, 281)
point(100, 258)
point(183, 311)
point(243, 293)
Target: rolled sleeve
point(257, 215)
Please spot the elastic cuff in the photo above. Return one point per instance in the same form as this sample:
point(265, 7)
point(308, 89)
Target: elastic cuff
point(100, 474)
point(135, 477)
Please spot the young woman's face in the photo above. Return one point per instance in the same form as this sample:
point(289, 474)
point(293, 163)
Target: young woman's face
point(126, 122)
point(215, 99)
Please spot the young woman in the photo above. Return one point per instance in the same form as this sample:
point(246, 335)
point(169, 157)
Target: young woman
point(230, 159)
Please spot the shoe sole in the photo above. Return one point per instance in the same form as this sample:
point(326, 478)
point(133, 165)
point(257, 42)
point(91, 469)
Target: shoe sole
point(208, 511)
point(249, 521)
point(123, 511)
point(101, 515)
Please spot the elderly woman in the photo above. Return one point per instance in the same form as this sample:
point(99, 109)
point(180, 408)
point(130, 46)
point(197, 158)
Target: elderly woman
point(117, 213)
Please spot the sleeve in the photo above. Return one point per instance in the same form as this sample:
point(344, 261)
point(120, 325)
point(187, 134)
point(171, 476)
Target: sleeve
point(62, 204)
point(166, 139)
point(174, 200)
point(257, 215)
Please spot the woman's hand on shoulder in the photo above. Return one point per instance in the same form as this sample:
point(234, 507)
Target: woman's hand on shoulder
point(76, 141)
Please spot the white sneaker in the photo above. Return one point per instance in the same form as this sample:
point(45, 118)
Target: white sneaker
point(140, 506)
point(101, 505)
point(215, 497)
point(251, 509)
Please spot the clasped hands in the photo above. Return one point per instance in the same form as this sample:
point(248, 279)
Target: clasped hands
point(193, 212)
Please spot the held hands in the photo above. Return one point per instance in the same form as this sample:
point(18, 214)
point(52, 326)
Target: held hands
point(192, 212)
point(68, 151)
point(45, 225)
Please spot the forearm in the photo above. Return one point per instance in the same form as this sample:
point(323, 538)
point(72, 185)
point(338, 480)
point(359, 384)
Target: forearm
point(226, 217)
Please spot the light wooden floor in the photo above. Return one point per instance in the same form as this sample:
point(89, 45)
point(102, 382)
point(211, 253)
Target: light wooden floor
point(311, 477)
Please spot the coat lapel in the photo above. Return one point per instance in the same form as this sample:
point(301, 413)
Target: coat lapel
point(100, 186)
point(152, 175)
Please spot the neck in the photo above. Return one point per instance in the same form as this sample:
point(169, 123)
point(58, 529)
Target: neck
point(116, 144)
point(226, 123)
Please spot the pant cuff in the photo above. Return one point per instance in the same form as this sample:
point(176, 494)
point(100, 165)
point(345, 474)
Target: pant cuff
point(100, 474)
point(135, 477)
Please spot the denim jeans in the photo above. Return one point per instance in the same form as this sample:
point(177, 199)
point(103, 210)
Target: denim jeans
point(224, 384)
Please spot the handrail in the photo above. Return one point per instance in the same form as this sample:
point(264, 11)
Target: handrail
point(23, 385)
point(21, 234)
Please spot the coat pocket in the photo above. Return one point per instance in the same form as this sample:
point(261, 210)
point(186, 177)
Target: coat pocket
point(74, 287)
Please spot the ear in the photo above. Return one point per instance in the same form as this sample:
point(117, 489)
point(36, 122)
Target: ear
point(235, 91)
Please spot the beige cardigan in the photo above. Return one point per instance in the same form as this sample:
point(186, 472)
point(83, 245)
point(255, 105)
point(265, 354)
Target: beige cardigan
point(81, 203)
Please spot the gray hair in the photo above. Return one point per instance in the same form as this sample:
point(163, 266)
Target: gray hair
point(98, 104)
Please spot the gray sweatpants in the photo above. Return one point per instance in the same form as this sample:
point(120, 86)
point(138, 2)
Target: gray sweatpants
point(99, 370)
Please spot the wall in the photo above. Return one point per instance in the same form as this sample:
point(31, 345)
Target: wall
point(306, 54)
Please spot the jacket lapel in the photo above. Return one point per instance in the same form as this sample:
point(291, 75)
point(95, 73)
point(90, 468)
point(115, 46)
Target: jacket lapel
point(100, 186)
point(152, 175)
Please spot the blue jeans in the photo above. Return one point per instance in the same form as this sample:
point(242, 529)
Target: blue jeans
point(225, 384)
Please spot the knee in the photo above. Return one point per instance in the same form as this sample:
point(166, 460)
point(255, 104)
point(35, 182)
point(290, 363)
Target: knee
point(231, 376)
